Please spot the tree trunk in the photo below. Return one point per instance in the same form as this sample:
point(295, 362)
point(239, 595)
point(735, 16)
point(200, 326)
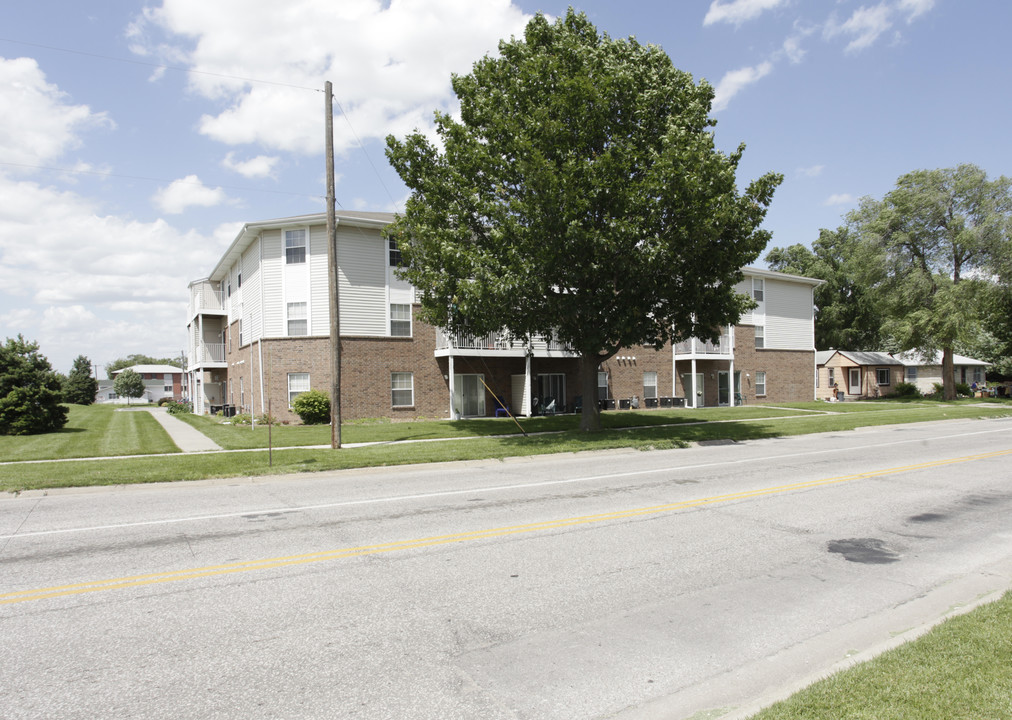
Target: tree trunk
point(948, 375)
point(590, 416)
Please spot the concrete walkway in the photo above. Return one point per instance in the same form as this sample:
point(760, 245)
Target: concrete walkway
point(187, 438)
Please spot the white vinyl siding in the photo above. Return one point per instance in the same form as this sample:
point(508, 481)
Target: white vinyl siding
point(788, 321)
point(319, 297)
point(273, 286)
point(251, 304)
point(362, 260)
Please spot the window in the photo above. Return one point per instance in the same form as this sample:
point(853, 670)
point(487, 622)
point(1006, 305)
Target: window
point(978, 375)
point(911, 373)
point(298, 383)
point(240, 278)
point(832, 376)
point(240, 332)
point(297, 319)
point(760, 383)
point(295, 246)
point(400, 320)
point(760, 337)
point(228, 288)
point(402, 389)
point(395, 253)
point(602, 386)
point(758, 289)
point(883, 376)
point(649, 385)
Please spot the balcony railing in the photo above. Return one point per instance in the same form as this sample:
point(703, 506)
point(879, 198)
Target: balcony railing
point(203, 298)
point(208, 353)
point(695, 346)
point(495, 342)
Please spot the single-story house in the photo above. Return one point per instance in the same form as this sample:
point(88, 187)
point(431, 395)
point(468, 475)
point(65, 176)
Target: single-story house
point(855, 375)
point(924, 371)
point(160, 381)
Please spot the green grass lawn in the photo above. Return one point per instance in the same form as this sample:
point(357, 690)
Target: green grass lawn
point(92, 431)
point(961, 670)
point(496, 438)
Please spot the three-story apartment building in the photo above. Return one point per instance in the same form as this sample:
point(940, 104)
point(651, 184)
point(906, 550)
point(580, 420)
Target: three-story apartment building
point(259, 324)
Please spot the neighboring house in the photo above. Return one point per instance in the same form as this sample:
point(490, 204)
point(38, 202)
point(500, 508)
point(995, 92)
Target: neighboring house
point(259, 325)
point(160, 381)
point(855, 375)
point(926, 371)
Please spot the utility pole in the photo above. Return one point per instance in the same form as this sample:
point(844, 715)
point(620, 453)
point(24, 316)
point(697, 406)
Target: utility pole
point(332, 278)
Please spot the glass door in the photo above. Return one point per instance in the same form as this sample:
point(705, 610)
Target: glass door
point(469, 395)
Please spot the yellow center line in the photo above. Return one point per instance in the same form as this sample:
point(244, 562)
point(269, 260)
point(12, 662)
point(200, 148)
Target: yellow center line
point(362, 550)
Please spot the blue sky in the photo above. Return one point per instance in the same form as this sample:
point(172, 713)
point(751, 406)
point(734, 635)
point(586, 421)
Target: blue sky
point(136, 137)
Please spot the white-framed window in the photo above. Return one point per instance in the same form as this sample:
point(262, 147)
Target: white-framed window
point(760, 383)
point(883, 376)
point(298, 383)
point(602, 386)
point(298, 323)
point(832, 376)
point(758, 289)
point(760, 336)
point(978, 375)
point(240, 332)
point(402, 389)
point(295, 246)
point(649, 384)
point(400, 320)
point(395, 253)
point(166, 388)
point(911, 373)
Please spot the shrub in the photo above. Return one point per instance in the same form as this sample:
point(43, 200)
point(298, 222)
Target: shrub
point(312, 407)
point(906, 390)
point(30, 391)
point(178, 408)
point(963, 390)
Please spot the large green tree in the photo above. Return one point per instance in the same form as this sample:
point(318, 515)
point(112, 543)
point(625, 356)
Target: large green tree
point(847, 312)
point(80, 386)
point(128, 384)
point(579, 195)
point(944, 234)
point(30, 391)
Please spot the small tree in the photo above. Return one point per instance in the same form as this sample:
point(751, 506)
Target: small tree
point(312, 407)
point(80, 387)
point(30, 391)
point(128, 384)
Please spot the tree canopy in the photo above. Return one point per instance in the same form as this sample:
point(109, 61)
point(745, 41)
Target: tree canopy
point(30, 391)
point(128, 384)
point(80, 386)
point(580, 195)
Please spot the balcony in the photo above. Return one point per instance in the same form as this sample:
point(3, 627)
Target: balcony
point(208, 355)
point(497, 344)
point(204, 299)
point(694, 347)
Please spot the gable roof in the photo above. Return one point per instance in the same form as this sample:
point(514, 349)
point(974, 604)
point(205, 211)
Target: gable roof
point(861, 357)
point(156, 369)
point(912, 358)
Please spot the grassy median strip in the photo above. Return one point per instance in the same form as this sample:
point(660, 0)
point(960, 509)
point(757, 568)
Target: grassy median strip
point(737, 424)
point(961, 669)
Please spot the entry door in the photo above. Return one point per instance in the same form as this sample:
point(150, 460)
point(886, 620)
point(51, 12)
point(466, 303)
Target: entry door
point(723, 387)
point(469, 395)
point(854, 375)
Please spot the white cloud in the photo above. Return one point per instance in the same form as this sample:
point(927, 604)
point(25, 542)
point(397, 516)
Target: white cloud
point(738, 11)
point(915, 8)
point(37, 124)
point(840, 199)
point(737, 80)
point(390, 63)
point(261, 166)
point(813, 171)
point(185, 193)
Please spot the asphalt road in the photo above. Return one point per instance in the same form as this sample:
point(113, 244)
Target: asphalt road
point(640, 585)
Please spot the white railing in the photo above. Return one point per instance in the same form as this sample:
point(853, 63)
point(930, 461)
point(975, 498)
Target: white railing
point(208, 353)
point(203, 298)
point(695, 346)
point(446, 340)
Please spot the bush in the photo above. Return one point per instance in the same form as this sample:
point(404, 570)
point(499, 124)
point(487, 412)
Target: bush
point(178, 408)
point(312, 407)
point(906, 390)
point(30, 391)
point(963, 390)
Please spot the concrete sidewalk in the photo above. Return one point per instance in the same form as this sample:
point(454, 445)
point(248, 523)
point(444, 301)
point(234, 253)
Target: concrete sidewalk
point(184, 436)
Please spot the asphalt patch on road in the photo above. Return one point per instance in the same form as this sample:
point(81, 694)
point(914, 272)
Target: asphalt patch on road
point(867, 551)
